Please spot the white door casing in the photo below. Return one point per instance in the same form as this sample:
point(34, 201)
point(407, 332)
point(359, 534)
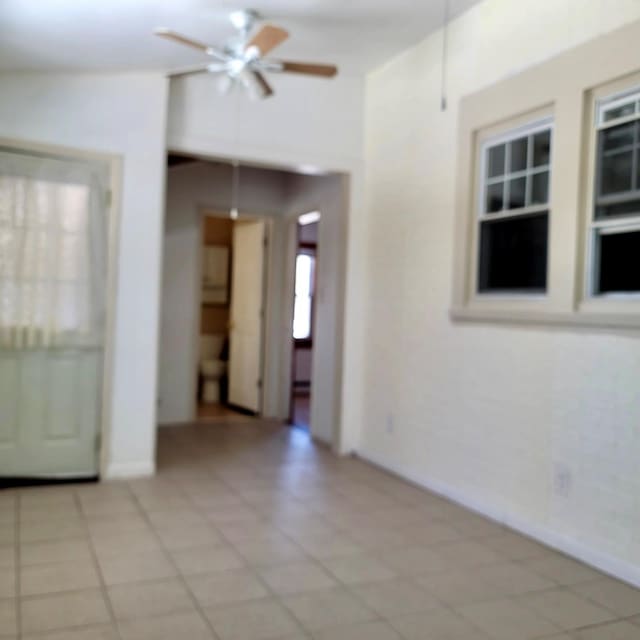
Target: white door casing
point(245, 333)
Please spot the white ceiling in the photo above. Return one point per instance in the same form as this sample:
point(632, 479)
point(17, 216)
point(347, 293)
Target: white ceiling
point(109, 35)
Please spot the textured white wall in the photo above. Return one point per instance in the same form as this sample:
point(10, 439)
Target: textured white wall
point(308, 121)
point(192, 188)
point(489, 414)
point(123, 115)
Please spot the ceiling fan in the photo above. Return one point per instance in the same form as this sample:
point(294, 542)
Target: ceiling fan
point(241, 60)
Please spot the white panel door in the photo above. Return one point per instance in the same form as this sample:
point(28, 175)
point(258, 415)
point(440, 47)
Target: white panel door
point(49, 412)
point(53, 267)
point(245, 336)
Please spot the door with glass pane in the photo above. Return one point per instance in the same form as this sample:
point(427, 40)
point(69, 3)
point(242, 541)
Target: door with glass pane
point(53, 269)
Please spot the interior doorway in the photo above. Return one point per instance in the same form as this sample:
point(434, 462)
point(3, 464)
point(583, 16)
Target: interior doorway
point(199, 187)
point(231, 336)
point(305, 284)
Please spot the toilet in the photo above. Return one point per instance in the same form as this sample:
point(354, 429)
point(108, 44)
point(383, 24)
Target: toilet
point(212, 368)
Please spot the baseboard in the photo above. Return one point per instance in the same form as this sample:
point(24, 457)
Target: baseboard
point(604, 562)
point(122, 470)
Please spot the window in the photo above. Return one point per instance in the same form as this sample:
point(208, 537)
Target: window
point(615, 225)
point(52, 251)
point(514, 212)
point(547, 193)
point(304, 290)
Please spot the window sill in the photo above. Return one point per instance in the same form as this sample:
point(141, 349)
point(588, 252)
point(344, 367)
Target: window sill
point(593, 319)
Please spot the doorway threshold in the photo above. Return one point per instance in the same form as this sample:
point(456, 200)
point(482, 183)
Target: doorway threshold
point(25, 482)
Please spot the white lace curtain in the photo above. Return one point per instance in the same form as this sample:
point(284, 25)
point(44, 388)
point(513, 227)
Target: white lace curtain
point(53, 243)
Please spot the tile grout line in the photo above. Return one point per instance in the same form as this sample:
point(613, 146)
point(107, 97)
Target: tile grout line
point(94, 557)
point(169, 557)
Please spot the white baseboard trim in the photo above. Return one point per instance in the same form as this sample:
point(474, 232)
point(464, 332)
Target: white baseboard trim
point(122, 470)
point(602, 561)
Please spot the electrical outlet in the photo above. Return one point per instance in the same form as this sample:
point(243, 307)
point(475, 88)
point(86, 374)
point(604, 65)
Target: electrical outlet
point(562, 480)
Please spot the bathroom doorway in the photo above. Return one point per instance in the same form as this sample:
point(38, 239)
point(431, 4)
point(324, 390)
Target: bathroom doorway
point(231, 352)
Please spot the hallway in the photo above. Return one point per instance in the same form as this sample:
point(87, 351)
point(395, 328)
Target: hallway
point(252, 532)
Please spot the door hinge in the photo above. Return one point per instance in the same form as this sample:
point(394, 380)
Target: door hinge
point(260, 383)
point(108, 197)
point(98, 442)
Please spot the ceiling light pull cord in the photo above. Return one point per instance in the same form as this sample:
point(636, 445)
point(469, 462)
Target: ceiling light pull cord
point(445, 55)
point(235, 190)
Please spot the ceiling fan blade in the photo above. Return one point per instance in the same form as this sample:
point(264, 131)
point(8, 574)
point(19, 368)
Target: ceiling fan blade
point(255, 83)
point(265, 88)
point(324, 70)
point(189, 42)
point(203, 68)
point(267, 39)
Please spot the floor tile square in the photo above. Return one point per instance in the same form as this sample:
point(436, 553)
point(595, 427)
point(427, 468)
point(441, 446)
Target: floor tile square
point(59, 576)
point(409, 561)
point(8, 616)
point(562, 570)
point(359, 569)
point(395, 597)
point(147, 599)
point(52, 529)
point(459, 587)
point(7, 556)
point(362, 631)
point(566, 609)
point(62, 611)
point(296, 578)
point(188, 536)
point(71, 550)
point(226, 587)
point(331, 607)
point(269, 551)
point(507, 620)
point(130, 567)
point(8, 582)
point(611, 594)
point(261, 620)
point(436, 624)
point(206, 559)
point(189, 626)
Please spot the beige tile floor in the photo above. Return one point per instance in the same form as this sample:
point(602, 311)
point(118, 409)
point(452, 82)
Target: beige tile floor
point(250, 532)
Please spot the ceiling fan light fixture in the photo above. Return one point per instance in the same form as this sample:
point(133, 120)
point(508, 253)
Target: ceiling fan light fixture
point(242, 59)
point(244, 19)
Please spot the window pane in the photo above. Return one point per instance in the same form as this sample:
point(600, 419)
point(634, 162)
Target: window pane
point(513, 254)
point(618, 137)
point(629, 208)
point(302, 317)
point(542, 149)
point(303, 275)
point(616, 173)
point(495, 197)
point(518, 159)
point(517, 193)
point(496, 161)
point(619, 263)
point(620, 112)
point(540, 188)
